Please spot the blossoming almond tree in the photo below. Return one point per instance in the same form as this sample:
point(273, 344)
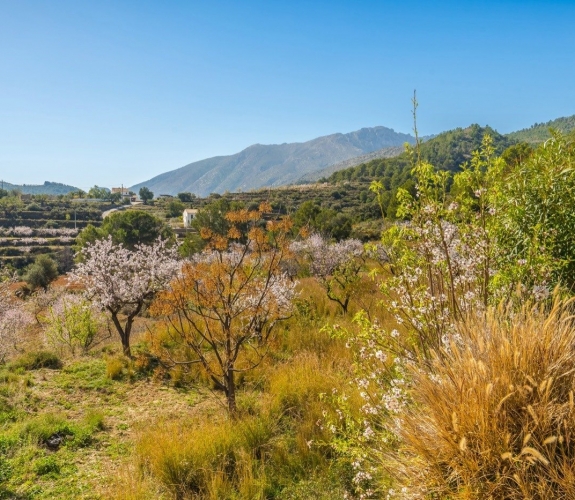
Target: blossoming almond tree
point(227, 300)
point(336, 266)
point(123, 281)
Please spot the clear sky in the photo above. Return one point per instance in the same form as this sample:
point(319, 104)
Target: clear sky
point(111, 92)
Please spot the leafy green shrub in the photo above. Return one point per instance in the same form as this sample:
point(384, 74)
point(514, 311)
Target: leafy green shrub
point(5, 470)
point(36, 360)
point(45, 426)
point(73, 323)
point(94, 420)
point(47, 466)
point(42, 272)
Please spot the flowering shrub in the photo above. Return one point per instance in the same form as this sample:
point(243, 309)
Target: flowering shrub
point(456, 256)
point(42, 231)
point(22, 231)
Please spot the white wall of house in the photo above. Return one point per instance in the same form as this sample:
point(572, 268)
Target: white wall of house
point(189, 215)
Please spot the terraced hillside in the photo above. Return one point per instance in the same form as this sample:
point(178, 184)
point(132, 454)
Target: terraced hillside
point(43, 227)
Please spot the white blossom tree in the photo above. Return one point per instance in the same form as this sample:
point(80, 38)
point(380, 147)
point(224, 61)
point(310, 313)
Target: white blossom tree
point(14, 319)
point(336, 266)
point(123, 281)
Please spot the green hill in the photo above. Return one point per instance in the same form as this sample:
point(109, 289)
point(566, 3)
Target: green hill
point(539, 132)
point(50, 188)
point(447, 151)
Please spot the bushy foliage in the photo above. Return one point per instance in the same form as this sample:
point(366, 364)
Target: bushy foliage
point(73, 323)
point(146, 195)
point(326, 221)
point(42, 272)
point(450, 265)
point(129, 228)
point(14, 319)
point(535, 215)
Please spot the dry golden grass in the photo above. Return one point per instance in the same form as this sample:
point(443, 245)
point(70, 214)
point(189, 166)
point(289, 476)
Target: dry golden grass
point(494, 417)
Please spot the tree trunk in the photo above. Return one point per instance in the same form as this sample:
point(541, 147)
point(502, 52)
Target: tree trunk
point(126, 346)
point(124, 334)
point(231, 392)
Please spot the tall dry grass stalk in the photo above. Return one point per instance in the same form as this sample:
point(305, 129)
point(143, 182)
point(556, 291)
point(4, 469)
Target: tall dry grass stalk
point(494, 416)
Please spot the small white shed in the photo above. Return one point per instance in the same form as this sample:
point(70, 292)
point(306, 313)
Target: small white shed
point(189, 216)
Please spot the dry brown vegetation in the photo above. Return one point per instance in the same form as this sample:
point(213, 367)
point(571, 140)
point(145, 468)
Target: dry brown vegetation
point(493, 416)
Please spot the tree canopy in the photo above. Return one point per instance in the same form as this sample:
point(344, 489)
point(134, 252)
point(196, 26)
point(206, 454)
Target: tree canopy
point(129, 228)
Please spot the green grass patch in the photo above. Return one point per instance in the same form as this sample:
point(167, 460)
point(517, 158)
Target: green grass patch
point(37, 359)
point(86, 375)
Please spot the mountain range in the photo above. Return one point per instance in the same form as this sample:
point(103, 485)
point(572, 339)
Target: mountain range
point(281, 164)
point(272, 165)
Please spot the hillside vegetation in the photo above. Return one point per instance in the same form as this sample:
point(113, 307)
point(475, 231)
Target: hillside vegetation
point(42, 225)
point(48, 188)
point(539, 132)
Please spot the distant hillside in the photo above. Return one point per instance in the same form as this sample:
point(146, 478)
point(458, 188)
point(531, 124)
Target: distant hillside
point(539, 132)
point(357, 160)
point(390, 152)
point(51, 188)
point(447, 151)
point(272, 165)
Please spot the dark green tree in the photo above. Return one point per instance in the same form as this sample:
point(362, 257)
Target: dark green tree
point(114, 197)
point(98, 192)
point(212, 215)
point(175, 208)
point(516, 154)
point(146, 195)
point(322, 220)
point(41, 273)
point(306, 215)
point(130, 228)
point(186, 197)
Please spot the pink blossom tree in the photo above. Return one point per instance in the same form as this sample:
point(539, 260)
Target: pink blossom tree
point(123, 281)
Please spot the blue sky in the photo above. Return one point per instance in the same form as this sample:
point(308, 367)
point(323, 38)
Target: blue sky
point(110, 92)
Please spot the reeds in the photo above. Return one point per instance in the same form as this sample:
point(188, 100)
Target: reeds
point(493, 416)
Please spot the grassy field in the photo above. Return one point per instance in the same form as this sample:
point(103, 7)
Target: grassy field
point(102, 426)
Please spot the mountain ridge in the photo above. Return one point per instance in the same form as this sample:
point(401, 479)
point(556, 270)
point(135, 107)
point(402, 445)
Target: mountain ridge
point(261, 165)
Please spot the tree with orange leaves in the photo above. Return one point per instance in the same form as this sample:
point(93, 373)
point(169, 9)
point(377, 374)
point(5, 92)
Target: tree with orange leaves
point(227, 300)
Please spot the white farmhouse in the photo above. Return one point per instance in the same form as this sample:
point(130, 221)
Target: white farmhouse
point(189, 216)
